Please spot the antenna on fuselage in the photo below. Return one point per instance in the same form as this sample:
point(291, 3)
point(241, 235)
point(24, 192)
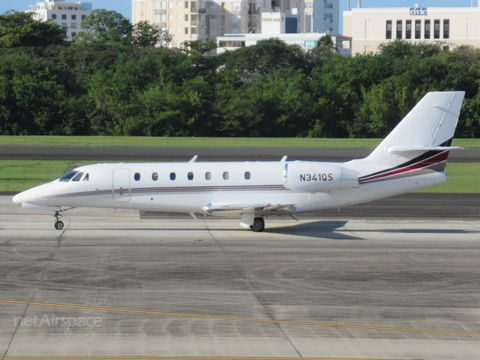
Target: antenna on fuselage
point(284, 158)
point(193, 159)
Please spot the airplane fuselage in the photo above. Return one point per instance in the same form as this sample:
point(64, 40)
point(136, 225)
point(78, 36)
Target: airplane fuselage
point(190, 187)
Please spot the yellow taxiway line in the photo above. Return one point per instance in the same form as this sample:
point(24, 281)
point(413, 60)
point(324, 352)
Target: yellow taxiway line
point(244, 319)
point(168, 358)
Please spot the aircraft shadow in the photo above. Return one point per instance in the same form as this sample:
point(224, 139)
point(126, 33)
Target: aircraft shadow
point(417, 231)
point(316, 229)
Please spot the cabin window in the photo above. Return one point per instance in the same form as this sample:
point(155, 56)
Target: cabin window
point(136, 176)
point(68, 176)
point(190, 176)
point(247, 175)
point(226, 175)
point(86, 178)
point(155, 176)
point(173, 176)
point(78, 176)
point(208, 175)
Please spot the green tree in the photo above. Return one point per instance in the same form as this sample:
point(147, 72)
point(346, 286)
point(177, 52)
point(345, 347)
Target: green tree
point(335, 88)
point(265, 57)
point(123, 95)
point(277, 104)
point(202, 62)
point(326, 41)
point(146, 35)
point(20, 29)
point(107, 27)
point(469, 121)
point(34, 97)
point(383, 107)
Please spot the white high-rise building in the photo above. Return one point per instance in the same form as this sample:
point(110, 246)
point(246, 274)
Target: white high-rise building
point(320, 16)
point(67, 14)
point(190, 20)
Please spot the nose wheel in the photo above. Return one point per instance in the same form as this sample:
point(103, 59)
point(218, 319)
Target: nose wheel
point(58, 223)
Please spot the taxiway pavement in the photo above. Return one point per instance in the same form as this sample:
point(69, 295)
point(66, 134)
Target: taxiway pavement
point(138, 153)
point(323, 288)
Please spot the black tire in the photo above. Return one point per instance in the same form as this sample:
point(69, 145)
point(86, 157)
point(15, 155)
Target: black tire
point(59, 225)
point(258, 224)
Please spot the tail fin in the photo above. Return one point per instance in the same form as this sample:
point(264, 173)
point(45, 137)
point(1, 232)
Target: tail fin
point(426, 131)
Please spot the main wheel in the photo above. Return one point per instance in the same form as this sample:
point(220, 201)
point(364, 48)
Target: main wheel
point(258, 224)
point(59, 225)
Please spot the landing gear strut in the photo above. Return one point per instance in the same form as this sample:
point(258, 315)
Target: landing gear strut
point(258, 224)
point(58, 223)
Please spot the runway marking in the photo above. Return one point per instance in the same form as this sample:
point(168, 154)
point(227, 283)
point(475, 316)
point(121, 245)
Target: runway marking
point(233, 318)
point(172, 357)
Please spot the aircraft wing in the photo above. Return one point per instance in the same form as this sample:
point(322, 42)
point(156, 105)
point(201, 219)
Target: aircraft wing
point(248, 212)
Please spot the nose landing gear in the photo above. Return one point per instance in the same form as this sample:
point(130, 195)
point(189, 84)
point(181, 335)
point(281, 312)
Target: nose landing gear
point(58, 223)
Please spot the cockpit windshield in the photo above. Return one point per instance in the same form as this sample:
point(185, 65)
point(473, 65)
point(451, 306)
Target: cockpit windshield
point(78, 176)
point(68, 176)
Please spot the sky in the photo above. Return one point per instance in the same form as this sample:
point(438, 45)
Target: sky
point(125, 6)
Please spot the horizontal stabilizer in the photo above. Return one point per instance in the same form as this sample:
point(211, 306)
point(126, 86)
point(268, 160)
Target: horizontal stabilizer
point(396, 150)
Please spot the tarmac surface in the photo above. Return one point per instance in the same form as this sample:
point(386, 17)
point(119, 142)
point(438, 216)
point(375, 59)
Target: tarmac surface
point(112, 285)
point(406, 206)
point(132, 153)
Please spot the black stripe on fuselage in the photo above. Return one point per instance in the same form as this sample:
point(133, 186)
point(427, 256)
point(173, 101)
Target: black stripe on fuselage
point(419, 158)
point(163, 190)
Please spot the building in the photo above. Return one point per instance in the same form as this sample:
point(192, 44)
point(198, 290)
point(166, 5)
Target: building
point(67, 14)
point(320, 16)
point(342, 44)
point(190, 20)
point(370, 27)
point(274, 23)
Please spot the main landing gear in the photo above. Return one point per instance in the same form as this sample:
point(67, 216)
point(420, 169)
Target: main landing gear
point(258, 224)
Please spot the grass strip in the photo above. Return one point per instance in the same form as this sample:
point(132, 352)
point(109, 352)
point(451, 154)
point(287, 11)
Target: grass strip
point(204, 142)
point(463, 178)
point(19, 175)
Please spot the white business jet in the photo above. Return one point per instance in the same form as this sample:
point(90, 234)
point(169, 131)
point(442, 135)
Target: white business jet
point(411, 157)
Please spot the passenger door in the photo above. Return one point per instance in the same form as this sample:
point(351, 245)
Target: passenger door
point(121, 185)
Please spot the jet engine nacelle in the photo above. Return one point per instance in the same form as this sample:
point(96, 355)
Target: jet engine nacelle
point(314, 176)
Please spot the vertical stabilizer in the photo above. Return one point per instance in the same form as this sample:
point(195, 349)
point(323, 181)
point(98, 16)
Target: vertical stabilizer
point(429, 126)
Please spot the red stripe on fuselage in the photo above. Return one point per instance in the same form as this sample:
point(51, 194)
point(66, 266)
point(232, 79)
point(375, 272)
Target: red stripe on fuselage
point(438, 158)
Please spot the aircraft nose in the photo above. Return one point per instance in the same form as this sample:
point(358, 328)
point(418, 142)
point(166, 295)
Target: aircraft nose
point(24, 196)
